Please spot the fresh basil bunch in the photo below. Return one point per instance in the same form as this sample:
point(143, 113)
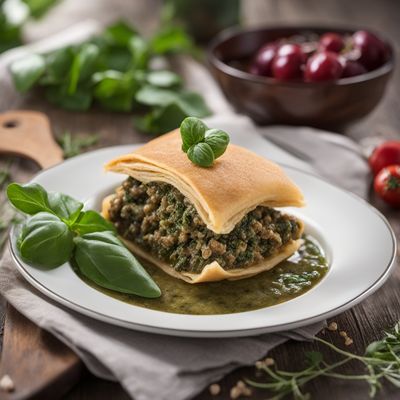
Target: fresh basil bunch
point(201, 144)
point(113, 71)
point(59, 231)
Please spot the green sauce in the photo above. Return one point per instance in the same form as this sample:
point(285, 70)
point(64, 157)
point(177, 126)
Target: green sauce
point(289, 279)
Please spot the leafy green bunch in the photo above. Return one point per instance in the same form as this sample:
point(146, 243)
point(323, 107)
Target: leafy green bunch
point(114, 71)
point(58, 230)
point(10, 30)
point(381, 362)
point(201, 144)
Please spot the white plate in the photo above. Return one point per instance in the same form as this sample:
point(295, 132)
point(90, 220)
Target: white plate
point(358, 240)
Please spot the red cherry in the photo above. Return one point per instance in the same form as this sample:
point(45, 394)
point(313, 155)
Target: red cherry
point(331, 42)
point(372, 49)
point(323, 66)
point(262, 62)
point(287, 63)
point(352, 68)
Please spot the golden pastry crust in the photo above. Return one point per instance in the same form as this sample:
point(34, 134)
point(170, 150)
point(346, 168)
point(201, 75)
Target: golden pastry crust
point(214, 272)
point(223, 194)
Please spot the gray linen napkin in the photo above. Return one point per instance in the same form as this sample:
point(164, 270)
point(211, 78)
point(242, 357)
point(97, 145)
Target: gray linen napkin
point(152, 366)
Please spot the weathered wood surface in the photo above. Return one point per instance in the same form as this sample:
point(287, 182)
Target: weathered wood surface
point(364, 322)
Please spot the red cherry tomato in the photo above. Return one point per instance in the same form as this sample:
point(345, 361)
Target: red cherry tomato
point(323, 66)
point(262, 62)
point(387, 153)
point(372, 49)
point(352, 68)
point(288, 61)
point(387, 185)
point(331, 41)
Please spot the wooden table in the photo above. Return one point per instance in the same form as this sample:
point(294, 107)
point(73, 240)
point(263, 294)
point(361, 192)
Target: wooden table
point(365, 322)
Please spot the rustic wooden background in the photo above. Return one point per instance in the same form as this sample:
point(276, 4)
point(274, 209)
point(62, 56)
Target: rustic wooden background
point(363, 323)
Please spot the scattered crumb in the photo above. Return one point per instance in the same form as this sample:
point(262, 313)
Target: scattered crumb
point(332, 326)
point(235, 393)
point(240, 385)
point(269, 361)
point(348, 341)
point(241, 389)
point(7, 384)
point(343, 334)
point(215, 389)
point(259, 364)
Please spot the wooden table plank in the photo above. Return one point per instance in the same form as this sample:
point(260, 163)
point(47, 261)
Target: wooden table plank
point(364, 322)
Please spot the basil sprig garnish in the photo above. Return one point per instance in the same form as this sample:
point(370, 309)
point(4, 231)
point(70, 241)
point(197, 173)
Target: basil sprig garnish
point(59, 231)
point(201, 144)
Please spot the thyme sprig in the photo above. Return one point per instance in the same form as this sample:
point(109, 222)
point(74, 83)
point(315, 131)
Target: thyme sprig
point(381, 362)
point(74, 145)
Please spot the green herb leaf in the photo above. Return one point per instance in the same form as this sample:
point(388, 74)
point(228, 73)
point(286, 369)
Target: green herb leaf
point(10, 34)
point(74, 145)
point(154, 96)
point(58, 64)
point(37, 8)
point(163, 78)
point(192, 132)
point(115, 90)
point(140, 52)
point(30, 198)
point(27, 71)
point(193, 104)
point(172, 39)
point(45, 241)
point(79, 101)
point(91, 221)
point(314, 358)
point(102, 258)
point(119, 33)
point(82, 66)
point(201, 154)
point(161, 119)
point(218, 141)
point(64, 206)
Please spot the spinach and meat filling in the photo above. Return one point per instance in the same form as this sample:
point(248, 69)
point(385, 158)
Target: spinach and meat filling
point(158, 218)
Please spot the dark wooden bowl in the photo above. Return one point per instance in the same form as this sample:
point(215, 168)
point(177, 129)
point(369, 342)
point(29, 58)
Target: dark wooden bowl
point(268, 101)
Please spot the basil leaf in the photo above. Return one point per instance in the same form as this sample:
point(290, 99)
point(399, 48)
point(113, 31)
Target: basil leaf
point(37, 8)
point(140, 52)
point(154, 96)
point(192, 131)
point(193, 104)
point(27, 71)
point(163, 78)
point(82, 66)
point(91, 221)
point(190, 103)
point(201, 154)
point(119, 33)
point(218, 141)
point(161, 119)
point(79, 101)
point(45, 241)
point(102, 258)
point(172, 39)
point(30, 198)
point(64, 206)
point(58, 64)
point(115, 90)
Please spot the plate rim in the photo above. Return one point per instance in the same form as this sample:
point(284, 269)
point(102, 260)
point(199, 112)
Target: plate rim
point(209, 333)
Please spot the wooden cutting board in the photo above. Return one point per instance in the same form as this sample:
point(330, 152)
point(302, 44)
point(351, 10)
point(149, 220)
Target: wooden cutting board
point(39, 365)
